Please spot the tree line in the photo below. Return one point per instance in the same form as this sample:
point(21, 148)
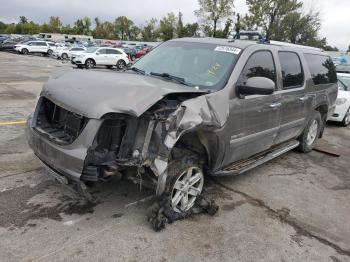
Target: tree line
point(280, 20)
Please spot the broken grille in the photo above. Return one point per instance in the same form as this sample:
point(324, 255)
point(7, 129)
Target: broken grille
point(59, 124)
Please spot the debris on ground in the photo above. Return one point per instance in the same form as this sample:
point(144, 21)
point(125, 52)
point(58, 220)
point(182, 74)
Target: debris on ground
point(158, 214)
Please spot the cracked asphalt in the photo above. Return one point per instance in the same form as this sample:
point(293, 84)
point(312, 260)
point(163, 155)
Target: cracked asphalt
point(294, 208)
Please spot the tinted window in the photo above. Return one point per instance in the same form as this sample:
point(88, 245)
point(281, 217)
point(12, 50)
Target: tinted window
point(322, 69)
point(113, 51)
point(292, 72)
point(260, 64)
point(102, 51)
point(41, 44)
point(77, 49)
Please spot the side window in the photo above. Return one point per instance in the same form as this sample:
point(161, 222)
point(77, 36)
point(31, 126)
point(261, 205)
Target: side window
point(102, 51)
point(292, 72)
point(259, 64)
point(322, 69)
point(41, 44)
point(113, 52)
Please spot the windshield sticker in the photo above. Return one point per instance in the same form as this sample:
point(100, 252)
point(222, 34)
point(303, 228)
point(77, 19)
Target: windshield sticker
point(228, 49)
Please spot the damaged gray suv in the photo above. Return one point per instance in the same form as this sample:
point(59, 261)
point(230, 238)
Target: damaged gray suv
point(191, 107)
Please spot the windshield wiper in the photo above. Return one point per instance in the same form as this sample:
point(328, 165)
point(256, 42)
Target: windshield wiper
point(135, 69)
point(177, 79)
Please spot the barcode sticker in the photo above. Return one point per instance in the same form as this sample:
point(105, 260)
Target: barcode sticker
point(228, 49)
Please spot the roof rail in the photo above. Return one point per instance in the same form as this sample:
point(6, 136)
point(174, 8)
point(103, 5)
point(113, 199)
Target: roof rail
point(294, 45)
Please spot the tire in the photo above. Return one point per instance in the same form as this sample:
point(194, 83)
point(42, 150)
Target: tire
point(311, 133)
point(25, 51)
point(180, 193)
point(346, 120)
point(49, 52)
point(64, 56)
point(89, 63)
point(121, 64)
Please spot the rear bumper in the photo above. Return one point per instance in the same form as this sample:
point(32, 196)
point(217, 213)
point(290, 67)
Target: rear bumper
point(67, 160)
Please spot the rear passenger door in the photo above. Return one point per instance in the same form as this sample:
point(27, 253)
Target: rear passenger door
point(294, 98)
point(113, 56)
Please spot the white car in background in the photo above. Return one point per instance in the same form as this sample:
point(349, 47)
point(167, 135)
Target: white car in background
point(35, 47)
point(105, 56)
point(65, 53)
point(342, 109)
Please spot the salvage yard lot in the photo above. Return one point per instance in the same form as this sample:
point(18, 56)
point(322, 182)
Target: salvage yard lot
point(294, 208)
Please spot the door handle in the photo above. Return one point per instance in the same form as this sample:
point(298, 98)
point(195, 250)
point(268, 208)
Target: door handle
point(303, 98)
point(275, 105)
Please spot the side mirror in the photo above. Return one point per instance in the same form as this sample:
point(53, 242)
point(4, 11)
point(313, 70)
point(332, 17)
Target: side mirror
point(257, 86)
point(97, 53)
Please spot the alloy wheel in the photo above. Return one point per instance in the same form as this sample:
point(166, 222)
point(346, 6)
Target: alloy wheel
point(186, 189)
point(312, 133)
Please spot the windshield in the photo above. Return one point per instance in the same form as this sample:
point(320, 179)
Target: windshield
point(345, 80)
point(91, 49)
point(207, 66)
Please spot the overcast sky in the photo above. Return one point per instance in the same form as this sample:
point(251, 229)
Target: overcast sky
point(335, 13)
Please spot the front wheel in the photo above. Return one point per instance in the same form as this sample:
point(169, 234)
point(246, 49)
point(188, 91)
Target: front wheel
point(121, 64)
point(184, 185)
point(89, 63)
point(64, 56)
point(25, 51)
point(346, 119)
point(311, 133)
point(49, 52)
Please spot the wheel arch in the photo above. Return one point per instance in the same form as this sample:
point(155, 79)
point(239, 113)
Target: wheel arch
point(323, 110)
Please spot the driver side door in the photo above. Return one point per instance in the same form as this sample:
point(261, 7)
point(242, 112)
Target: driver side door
point(257, 117)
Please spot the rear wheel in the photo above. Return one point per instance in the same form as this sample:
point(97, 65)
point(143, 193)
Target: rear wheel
point(25, 51)
point(64, 56)
point(89, 63)
point(346, 120)
point(49, 52)
point(311, 133)
point(121, 64)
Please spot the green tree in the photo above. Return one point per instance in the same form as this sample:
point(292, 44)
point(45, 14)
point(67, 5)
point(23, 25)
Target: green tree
point(124, 28)
point(167, 27)
point(226, 31)
point(3, 27)
point(55, 24)
point(149, 32)
point(269, 14)
point(23, 20)
point(191, 30)
point(211, 12)
point(180, 29)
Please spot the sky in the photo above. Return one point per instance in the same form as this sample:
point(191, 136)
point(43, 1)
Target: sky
point(335, 14)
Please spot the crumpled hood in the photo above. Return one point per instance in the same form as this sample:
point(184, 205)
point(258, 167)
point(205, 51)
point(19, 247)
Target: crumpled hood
point(95, 93)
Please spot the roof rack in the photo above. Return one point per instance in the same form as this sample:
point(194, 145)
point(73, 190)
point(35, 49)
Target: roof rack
point(295, 45)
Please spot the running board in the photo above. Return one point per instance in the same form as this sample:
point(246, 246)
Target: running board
point(242, 166)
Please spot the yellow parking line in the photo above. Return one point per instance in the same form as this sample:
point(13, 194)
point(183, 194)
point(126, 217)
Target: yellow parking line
point(13, 123)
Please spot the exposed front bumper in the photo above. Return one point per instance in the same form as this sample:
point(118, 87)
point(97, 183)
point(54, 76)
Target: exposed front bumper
point(68, 160)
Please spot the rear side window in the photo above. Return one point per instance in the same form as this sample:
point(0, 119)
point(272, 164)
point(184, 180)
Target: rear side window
point(322, 69)
point(113, 52)
point(259, 64)
point(292, 72)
